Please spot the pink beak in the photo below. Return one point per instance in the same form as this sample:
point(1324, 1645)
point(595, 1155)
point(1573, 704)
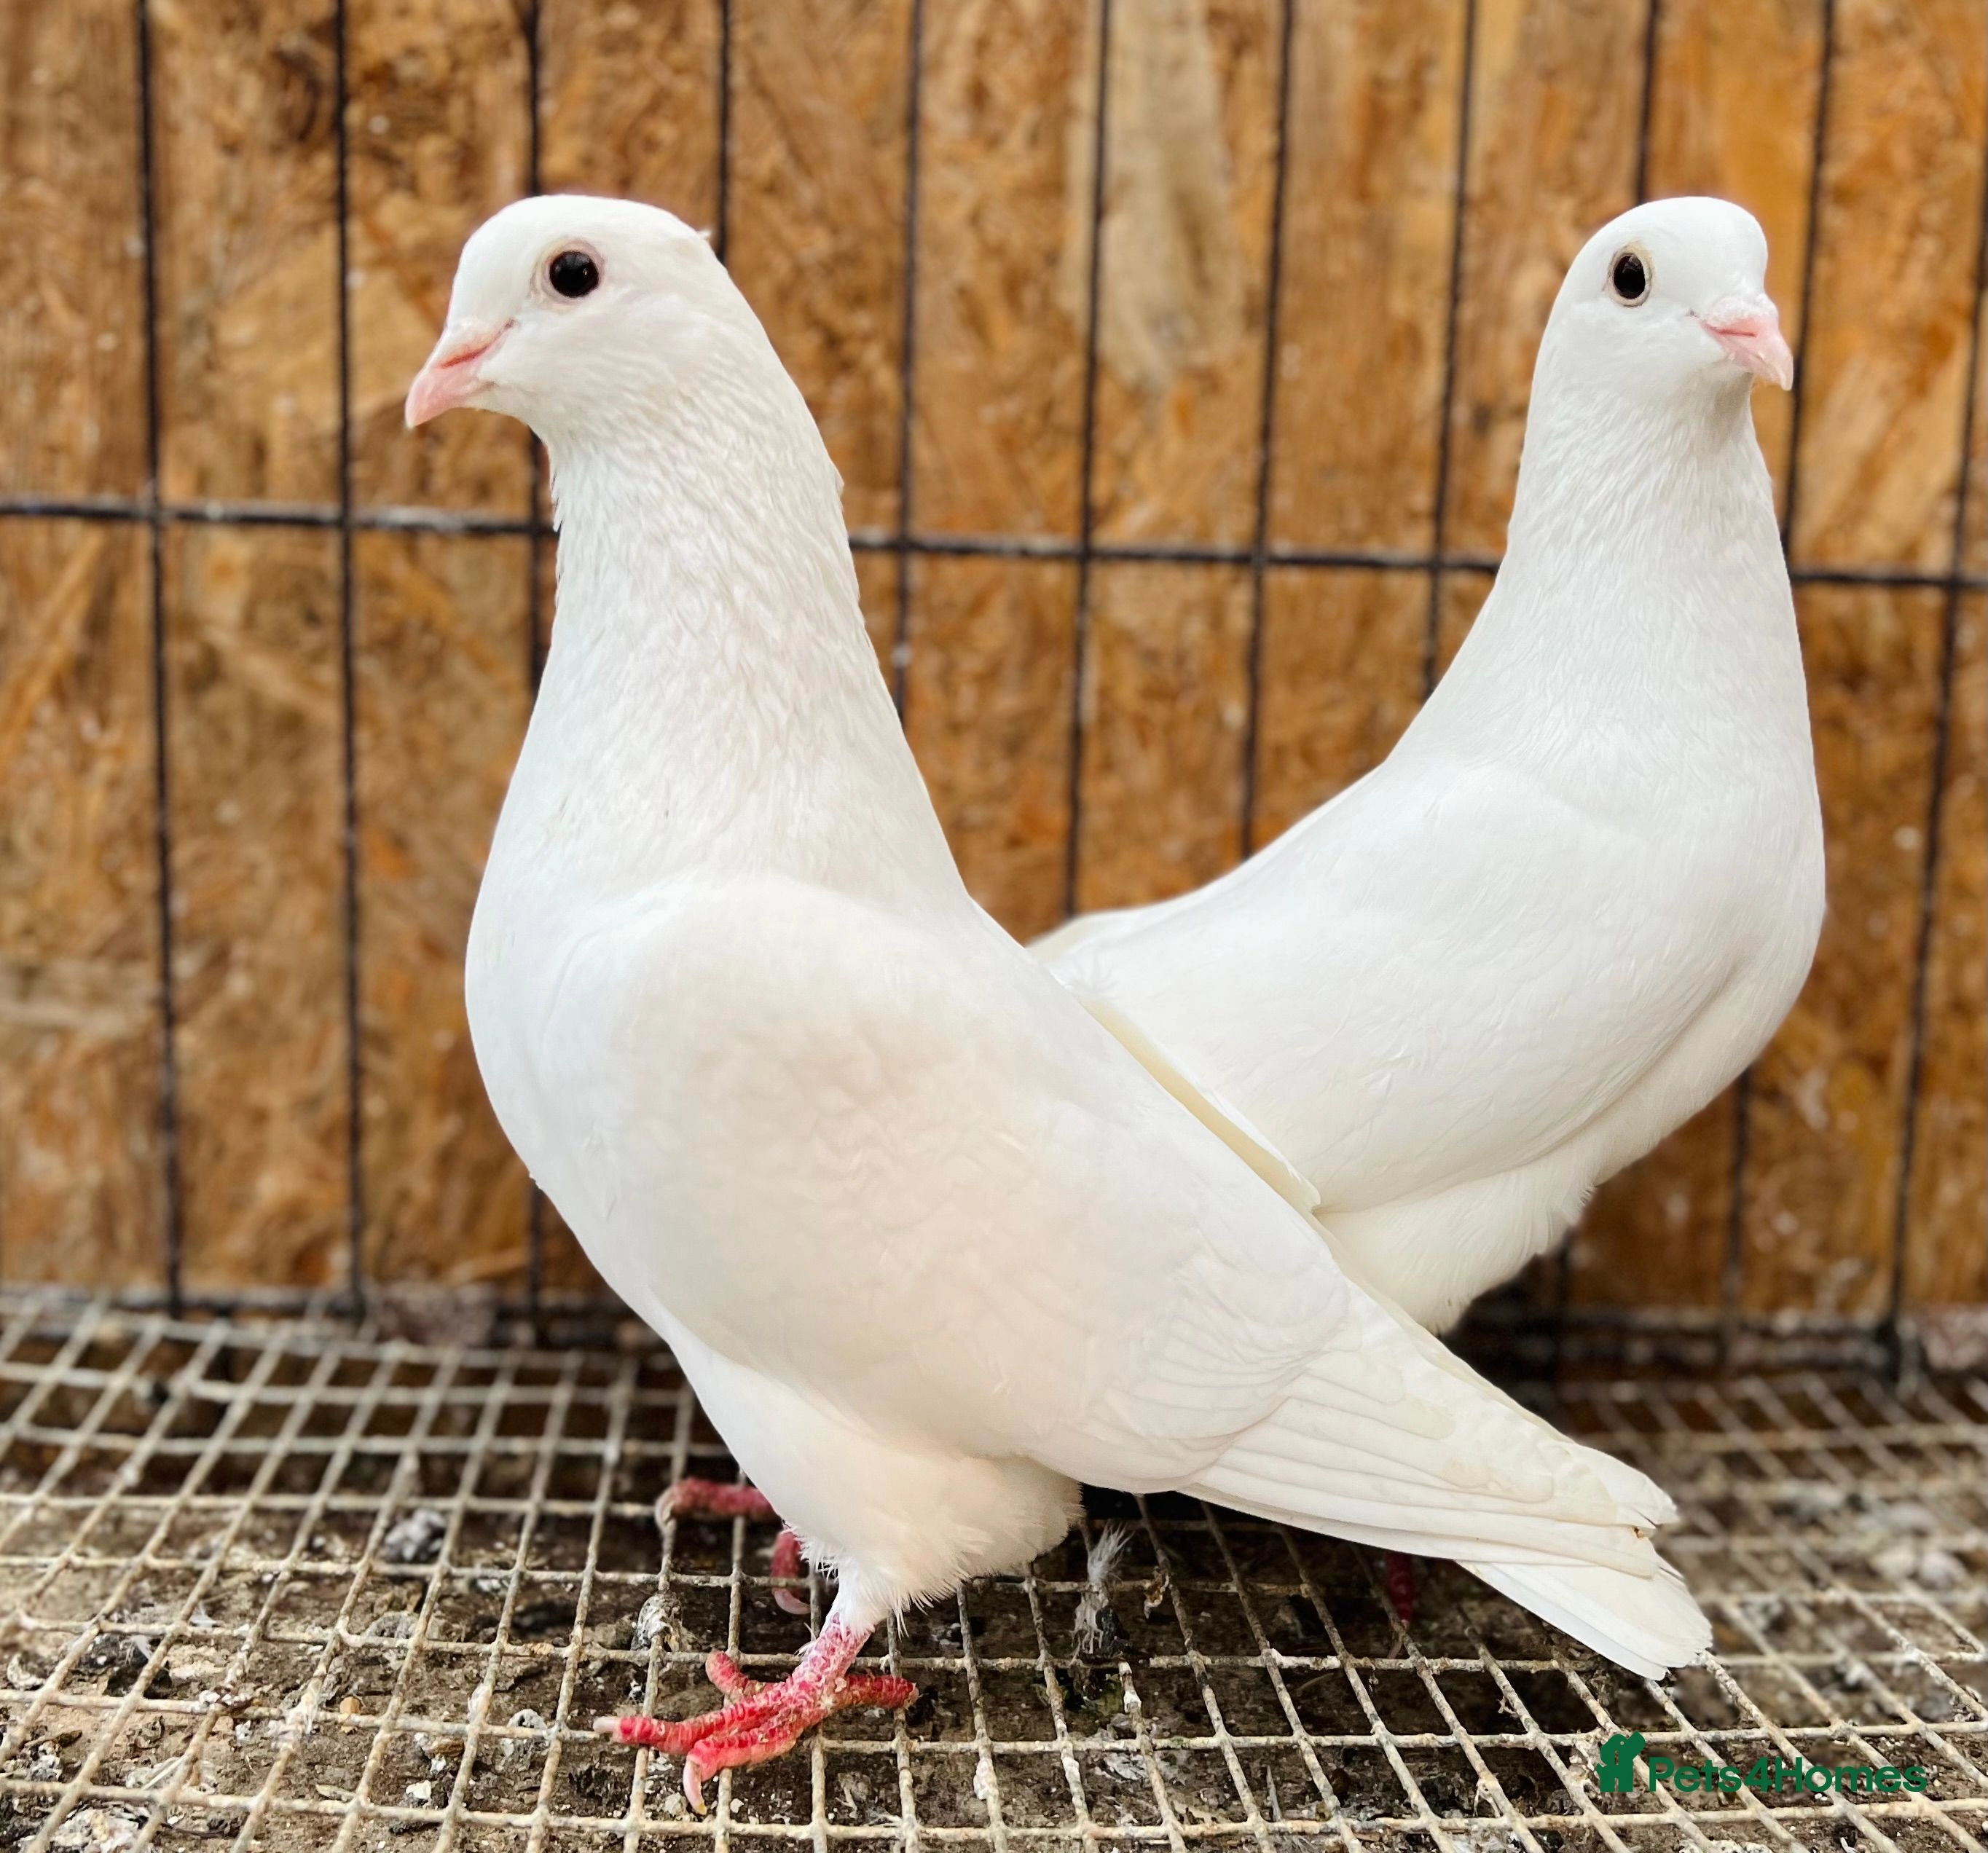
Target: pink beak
point(450, 378)
point(1749, 328)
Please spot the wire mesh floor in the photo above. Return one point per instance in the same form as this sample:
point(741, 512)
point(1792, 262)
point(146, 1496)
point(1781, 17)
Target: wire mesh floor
point(277, 1584)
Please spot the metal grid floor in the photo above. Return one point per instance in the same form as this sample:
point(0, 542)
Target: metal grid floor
point(273, 1584)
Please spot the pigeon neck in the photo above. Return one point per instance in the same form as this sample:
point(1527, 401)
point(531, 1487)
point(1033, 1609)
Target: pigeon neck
point(1608, 472)
point(711, 699)
point(1643, 575)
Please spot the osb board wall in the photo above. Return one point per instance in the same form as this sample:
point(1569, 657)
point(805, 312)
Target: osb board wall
point(1398, 404)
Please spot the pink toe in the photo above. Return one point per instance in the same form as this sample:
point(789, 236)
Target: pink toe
point(724, 1673)
point(884, 1691)
point(641, 1733)
point(759, 1743)
point(690, 1498)
point(787, 1563)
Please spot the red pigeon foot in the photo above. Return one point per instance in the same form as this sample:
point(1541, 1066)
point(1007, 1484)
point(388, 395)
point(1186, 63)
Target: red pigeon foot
point(764, 1721)
point(721, 1499)
point(1402, 1586)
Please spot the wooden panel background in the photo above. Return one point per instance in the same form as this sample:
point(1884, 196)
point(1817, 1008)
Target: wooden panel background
point(232, 1044)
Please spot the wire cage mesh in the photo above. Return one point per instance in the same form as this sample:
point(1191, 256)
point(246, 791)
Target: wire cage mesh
point(286, 1584)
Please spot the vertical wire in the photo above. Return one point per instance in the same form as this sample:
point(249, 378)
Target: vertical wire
point(348, 688)
point(1086, 512)
point(1439, 539)
point(1652, 26)
point(900, 642)
point(162, 828)
point(535, 1200)
point(721, 222)
point(1259, 543)
point(1732, 1276)
point(1797, 407)
point(1942, 730)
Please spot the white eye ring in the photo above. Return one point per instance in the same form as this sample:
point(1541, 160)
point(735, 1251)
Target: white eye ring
point(1630, 274)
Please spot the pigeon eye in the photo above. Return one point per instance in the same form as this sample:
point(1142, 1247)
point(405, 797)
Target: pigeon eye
point(1629, 278)
point(574, 273)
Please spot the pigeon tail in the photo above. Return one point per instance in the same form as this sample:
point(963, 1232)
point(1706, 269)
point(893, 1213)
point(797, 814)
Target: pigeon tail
point(1387, 1439)
point(1637, 1610)
point(1648, 1624)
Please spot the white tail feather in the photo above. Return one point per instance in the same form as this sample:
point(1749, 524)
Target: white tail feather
point(1388, 1439)
point(1648, 1624)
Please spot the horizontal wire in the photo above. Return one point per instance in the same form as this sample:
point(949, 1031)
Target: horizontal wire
point(286, 1303)
point(262, 514)
point(1053, 548)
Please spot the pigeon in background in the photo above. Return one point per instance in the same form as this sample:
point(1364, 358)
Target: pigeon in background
point(1584, 888)
point(930, 1245)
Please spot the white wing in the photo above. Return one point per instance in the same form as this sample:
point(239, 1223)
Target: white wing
point(887, 1159)
point(1444, 975)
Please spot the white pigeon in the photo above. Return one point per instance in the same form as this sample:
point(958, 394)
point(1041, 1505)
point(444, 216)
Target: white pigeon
point(932, 1246)
point(1586, 886)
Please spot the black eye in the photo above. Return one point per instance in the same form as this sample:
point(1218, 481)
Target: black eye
point(574, 273)
point(1629, 277)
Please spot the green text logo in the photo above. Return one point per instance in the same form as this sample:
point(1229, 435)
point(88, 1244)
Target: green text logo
point(1615, 1773)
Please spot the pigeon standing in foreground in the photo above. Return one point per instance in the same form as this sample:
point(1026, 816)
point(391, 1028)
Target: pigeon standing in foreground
point(931, 1246)
point(1585, 887)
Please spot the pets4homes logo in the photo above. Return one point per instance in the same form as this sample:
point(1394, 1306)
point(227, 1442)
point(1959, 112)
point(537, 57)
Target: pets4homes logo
point(1616, 1773)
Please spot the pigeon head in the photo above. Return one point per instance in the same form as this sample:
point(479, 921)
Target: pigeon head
point(576, 314)
point(1671, 294)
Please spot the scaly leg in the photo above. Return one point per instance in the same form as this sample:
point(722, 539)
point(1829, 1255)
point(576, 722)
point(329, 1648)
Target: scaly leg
point(717, 1499)
point(763, 1722)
